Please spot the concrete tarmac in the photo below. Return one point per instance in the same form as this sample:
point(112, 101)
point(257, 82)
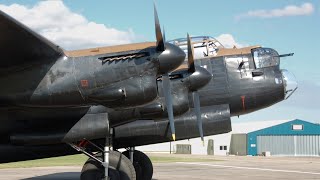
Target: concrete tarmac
point(226, 168)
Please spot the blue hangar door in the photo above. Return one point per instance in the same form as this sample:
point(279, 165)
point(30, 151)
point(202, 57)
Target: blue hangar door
point(289, 145)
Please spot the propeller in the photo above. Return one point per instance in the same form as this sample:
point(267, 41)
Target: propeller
point(196, 101)
point(169, 56)
point(160, 46)
point(168, 100)
point(167, 61)
point(164, 34)
point(191, 68)
point(195, 94)
point(160, 41)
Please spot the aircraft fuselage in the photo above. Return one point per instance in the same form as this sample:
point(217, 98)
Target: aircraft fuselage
point(238, 86)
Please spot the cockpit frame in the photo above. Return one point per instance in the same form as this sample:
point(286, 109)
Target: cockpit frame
point(204, 46)
point(265, 57)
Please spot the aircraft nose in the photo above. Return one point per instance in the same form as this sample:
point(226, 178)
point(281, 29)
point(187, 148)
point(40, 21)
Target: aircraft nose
point(199, 78)
point(289, 82)
point(171, 58)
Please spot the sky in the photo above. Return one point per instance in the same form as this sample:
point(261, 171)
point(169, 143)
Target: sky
point(287, 26)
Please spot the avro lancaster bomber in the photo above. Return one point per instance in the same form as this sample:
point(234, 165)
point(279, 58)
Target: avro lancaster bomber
point(95, 101)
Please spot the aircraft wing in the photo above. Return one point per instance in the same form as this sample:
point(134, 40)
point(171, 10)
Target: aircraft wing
point(20, 47)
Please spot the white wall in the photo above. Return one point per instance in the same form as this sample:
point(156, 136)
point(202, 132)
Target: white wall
point(219, 140)
point(197, 147)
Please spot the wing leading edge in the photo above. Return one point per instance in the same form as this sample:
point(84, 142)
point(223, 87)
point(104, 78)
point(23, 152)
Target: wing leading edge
point(21, 47)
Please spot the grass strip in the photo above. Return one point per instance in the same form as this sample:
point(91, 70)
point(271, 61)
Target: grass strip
point(79, 160)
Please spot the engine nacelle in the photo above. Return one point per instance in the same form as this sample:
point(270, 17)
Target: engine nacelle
point(157, 109)
point(125, 94)
point(181, 88)
point(216, 120)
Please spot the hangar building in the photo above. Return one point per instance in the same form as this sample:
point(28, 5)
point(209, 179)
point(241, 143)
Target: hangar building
point(279, 137)
point(293, 138)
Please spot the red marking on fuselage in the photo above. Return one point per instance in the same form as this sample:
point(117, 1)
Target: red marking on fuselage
point(243, 98)
point(84, 83)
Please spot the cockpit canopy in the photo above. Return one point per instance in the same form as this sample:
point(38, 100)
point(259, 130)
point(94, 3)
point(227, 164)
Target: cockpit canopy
point(265, 57)
point(203, 45)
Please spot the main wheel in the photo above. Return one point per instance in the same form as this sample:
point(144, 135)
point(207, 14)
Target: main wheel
point(142, 164)
point(120, 168)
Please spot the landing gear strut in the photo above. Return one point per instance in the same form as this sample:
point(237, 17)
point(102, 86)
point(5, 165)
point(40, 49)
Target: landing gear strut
point(112, 165)
point(106, 152)
point(119, 166)
point(106, 164)
point(129, 165)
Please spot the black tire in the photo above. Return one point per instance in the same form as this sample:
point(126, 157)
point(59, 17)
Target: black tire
point(142, 164)
point(120, 168)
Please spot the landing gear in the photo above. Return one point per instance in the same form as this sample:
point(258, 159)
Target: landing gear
point(105, 165)
point(112, 165)
point(120, 168)
point(130, 165)
point(142, 164)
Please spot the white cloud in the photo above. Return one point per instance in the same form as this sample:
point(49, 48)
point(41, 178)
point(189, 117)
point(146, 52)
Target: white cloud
point(290, 10)
point(228, 41)
point(70, 30)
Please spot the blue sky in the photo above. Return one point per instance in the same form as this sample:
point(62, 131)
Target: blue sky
point(297, 32)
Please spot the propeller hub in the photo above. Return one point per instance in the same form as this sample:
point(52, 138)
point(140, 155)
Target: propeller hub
point(171, 58)
point(199, 78)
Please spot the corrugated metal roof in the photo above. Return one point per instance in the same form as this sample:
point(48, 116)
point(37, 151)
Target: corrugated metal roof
point(286, 128)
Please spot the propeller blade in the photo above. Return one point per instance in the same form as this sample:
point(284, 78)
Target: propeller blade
point(190, 56)
point(168, 99)
point(160, 42)
point(196, 101)
point(164, 35)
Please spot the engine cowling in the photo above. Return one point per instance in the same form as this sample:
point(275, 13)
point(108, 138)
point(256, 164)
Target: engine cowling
point(183, 83)
point(216, 120)
point(125, 94)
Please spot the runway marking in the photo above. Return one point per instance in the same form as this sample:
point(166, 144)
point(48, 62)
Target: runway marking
point(251, 168)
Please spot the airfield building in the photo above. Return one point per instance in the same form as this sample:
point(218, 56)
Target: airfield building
point(279, 138)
